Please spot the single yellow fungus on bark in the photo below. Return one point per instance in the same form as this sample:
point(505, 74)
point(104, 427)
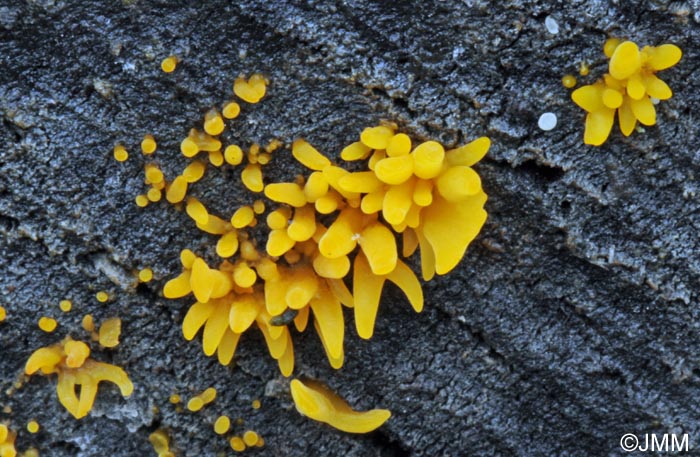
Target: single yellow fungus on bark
point(355, 151)
point(174, 399)
point(258, 206)
point(194, 171)
point(208, 395)
point(32, 426)
point(231, 110)
point(583, 68)
point(286, 192)
point(376, 137)
point(222, 425)
point(242, 217)
point(568, 81)
point(120, 153)
point(109, 333)
point(252, 90)
point(233, 155)
point(256, 404)
point(141, 200)
point(427, 159)
point(145, 275)
point(70, 361)
point(88, 323)
point(161, 443)
point(148, 144)
point(3, 314)
point(213, 123)
point(195, 404)
point(625, 61)
point(154, 195)
point(250, 438)
point(153, 174)
point(309, 156)
point(196, 210)
point(252, 178)
point(319, 403)
point(168, 64)
point(65, 305)
point(610, 45)
point(399, 145)
point(177, 190)
point(237, 444)
point(102, 296)
point(47, 324)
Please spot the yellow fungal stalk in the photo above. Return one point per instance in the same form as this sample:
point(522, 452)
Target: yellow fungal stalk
point(7, 442)
point(161, 443)
point(629, 89)
point(319, 403)
point(70, 360)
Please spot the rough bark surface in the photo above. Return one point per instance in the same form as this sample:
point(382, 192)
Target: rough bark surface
point(572, 320)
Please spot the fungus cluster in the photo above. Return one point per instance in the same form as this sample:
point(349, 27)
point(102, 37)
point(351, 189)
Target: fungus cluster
point(70, 361)
point(630, 89)
point(7, 442)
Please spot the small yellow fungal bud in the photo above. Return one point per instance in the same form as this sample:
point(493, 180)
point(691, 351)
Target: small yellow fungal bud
point(154, 195)
point(250, 438)
point(259, 84)
point(243, 275)
point(568, 81)
point(177, 190)
point(88, 323)
point(216, 158)
point(174, 399)
point(286, 192)
point(109, 333)
point(233, 155)
point(376, 137)
point(303, 224)
point(355, 151)
point(237, 444)
point(187, 258)
point(327, 204)
point(231, 110)
point(213, 123)
point(189, 147)
point(159, 441)
point(145, 275)
point(208, 396)
point(250, 91)
point(260, 443)
point(398, 145)
point(610, 45)
point(168, 64)
point(3, 314)
point(222, 425)
point(196, 210)
point(315, 187)
point(583, 68)
point(141, 200)
point(242, 217)
point(227, 245)
point(264, 158)
point(308, 156)
point(32, 426)
point(47, 324)
point(278, 219)
point(256, 404)
point(195, 404)
point(194, 171)
point(258, 206)
point(30, 452)
point(148, 145)
point(65, 305)
point(395, 170)
point(77, 353)
point(153, 174)
point(252, 178)
point(120, 153)
point(102, 296)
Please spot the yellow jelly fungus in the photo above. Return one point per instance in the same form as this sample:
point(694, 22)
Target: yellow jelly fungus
point(120, 153)
point(194, 171)
point(88, 323)
point(161, 443)
point(3, 314)
point(30, 452)
point(252, 178)
point(252, 90)
point(70, 361)
point(174, 399)
point(154, 195)
point(168, 64)
point(65, 305)
point(177, 190)
point(231, 110)
point(195, 404)
point(32, 426)
point(355, 151)
point(394, 170)
point(109, 333)
point(258, 207)
point(286, 192)
point(321, 404)
point(145, 275)
point(208, 395)
point(153, 174)
point(216, 158)
point(196, 210)
point(583, 68)
point(308, 156)
point(213, 123)
point(141, 200)
point(148, 144)
point(376, 137)
point(237, 444)
point(610, 45)
point(250, 438)
point(233, 154)
point(102, 296)
point(242, 217)
point(568, 81)
point(47, 324)
point(626, 90)
point(256, 404)
point(7, 442)
point(222, 425)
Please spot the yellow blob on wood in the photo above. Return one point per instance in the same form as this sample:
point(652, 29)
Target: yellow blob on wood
point(88, 323)
point(213, 123)
point(102, 296)
point(32, 426)
point(250, 438)
point(109, 333)
point(47, 324)
point(256, 404)
point(141, 200)
point(148, 144)
point(237, 444)
point(231, 110)
point(120, 153)
point(3, 314)
point(65, 305)
point(145, 275)
point(222, 425)
point(168, 64)
point(568, 81)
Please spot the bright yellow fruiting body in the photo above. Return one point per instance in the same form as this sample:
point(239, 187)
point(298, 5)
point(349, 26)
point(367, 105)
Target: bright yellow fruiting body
point(161, 443)
point(88, 323)
point(250, 438)
point(7, 442)
point(33, 426)
point(251, 90)
point(145, 275)
point(256, 404)
point(222, 425)
point(148, 145)
point(65, 305)
point(70, 360)
point(102, 296)
point(168, 64)
point(141, 200)
point(627, 89)
point(109, 332)
point(213, 123)
point(231, 110)
point(120, 153)
point(319, 403)
point(3, 314)
point(47, 324)
point(237, 444)
point(568, 81)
